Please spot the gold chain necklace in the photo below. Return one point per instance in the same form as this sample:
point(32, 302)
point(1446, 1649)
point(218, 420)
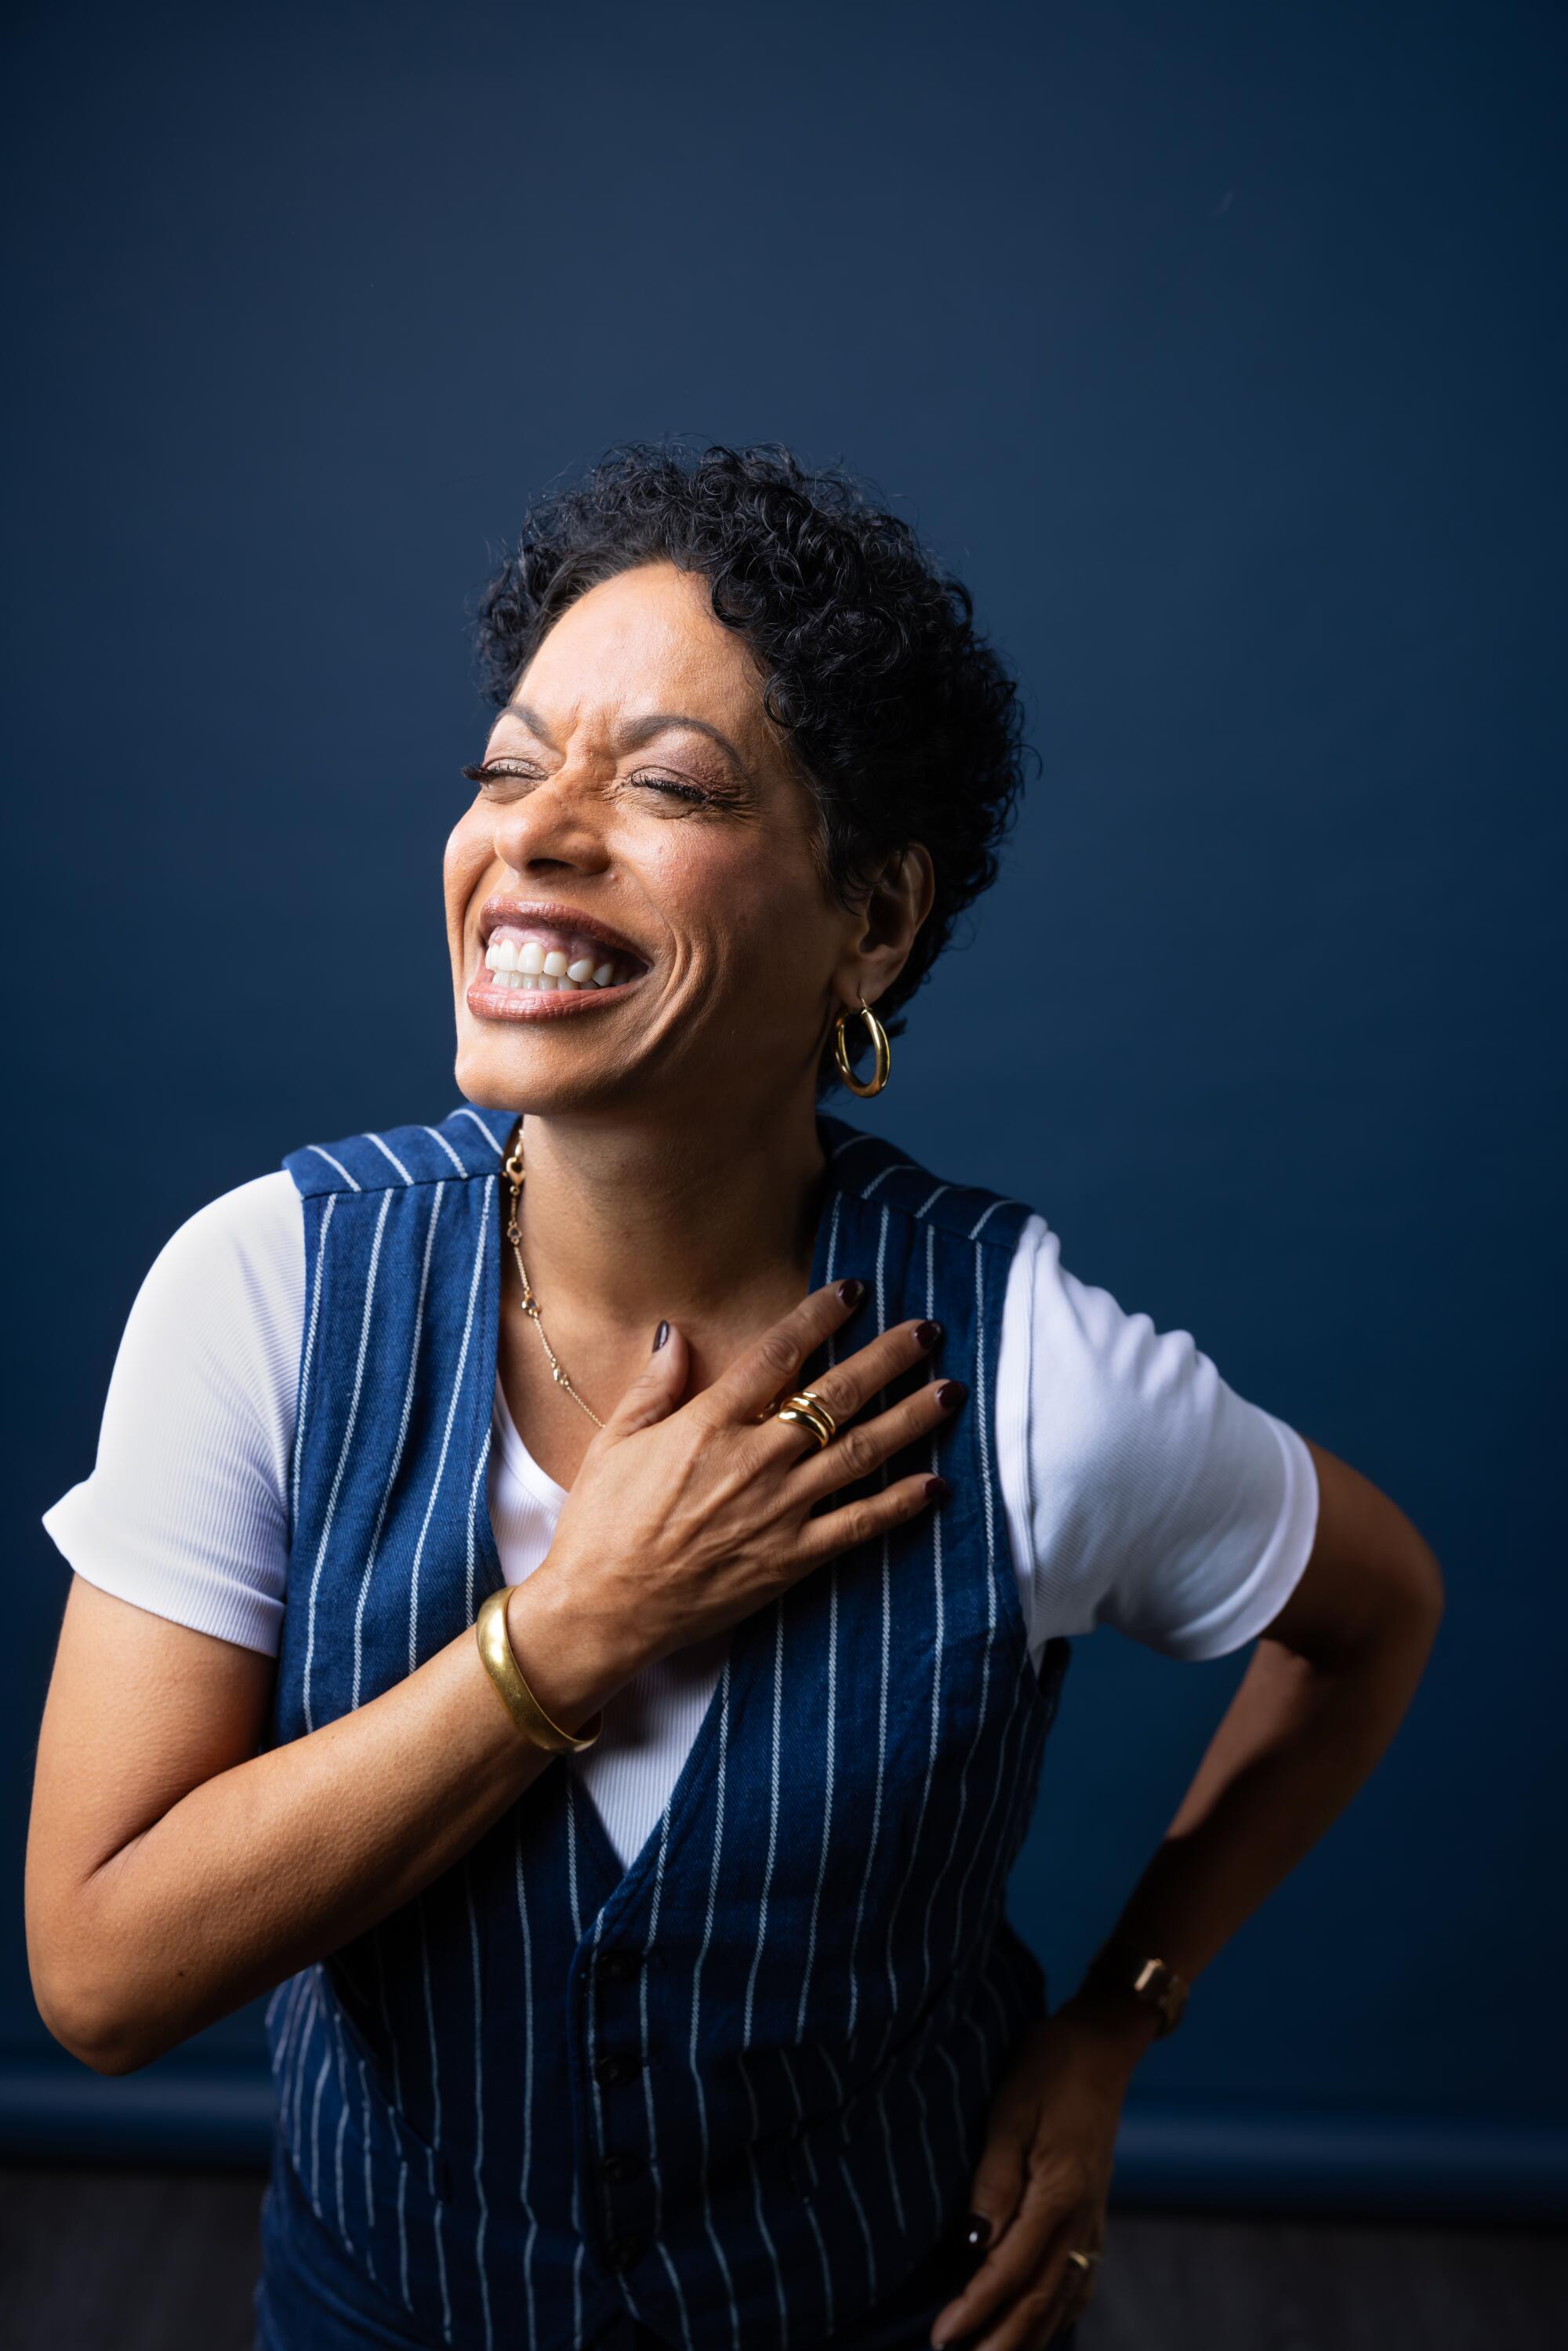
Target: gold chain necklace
point(516, 1173)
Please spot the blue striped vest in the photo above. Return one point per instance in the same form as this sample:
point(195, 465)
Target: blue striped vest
point(738, 2088)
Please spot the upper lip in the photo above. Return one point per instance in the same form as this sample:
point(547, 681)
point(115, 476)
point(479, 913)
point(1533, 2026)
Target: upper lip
point(557, 916)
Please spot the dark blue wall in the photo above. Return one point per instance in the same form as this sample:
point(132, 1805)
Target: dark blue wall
point(1221, 348)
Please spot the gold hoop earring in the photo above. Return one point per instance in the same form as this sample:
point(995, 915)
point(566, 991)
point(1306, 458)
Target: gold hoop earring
point(881, 1053)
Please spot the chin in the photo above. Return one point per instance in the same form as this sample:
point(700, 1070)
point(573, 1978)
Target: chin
point(520, 1073)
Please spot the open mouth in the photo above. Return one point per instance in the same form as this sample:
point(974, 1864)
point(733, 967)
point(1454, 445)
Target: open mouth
point(533, 967)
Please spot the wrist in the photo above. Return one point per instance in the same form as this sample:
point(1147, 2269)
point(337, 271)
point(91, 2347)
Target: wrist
point(560, 1654)
point(1114, 2019)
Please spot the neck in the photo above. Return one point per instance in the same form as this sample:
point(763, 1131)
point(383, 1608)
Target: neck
point(634, 1222)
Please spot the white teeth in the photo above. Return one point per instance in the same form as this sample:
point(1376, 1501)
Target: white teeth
point(581, 970)
point(602, 976)
point(555, 963)
point(502, 955)
point(530, 956)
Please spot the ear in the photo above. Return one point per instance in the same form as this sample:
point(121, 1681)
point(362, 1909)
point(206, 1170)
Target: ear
point(896, 904)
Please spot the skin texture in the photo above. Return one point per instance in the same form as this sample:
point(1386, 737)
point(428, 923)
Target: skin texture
point(673, 1176)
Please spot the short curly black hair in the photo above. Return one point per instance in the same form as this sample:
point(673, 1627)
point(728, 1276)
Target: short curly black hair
point(900, 715)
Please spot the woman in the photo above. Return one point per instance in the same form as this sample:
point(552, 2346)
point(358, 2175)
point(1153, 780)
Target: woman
point(572, 1604)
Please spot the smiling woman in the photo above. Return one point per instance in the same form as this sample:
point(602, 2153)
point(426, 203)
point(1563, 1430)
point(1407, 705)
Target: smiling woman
point(541, 1615)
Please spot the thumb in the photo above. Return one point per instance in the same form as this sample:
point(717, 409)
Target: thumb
point(997, 2186)
point(658, 1387)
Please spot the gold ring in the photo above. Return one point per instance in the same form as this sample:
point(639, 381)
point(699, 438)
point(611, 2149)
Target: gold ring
point(806, 1409)
point(1084, 2260)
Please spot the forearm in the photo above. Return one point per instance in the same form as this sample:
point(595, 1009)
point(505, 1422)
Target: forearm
point(286, 1856)
point(1297, 1741)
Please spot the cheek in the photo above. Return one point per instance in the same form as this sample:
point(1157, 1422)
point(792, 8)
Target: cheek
point(464, 859)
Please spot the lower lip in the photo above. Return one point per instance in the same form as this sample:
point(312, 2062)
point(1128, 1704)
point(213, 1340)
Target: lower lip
point(487, 1001)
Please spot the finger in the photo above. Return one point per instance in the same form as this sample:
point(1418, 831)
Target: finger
point(863, 1447)
point(849, 1385)
point(1007, 2270)
point(772, 1363)
point(1042, 2306)
point(656, 1389)
point(824, 1537)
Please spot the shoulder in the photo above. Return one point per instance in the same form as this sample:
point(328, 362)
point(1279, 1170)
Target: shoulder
point(247, 1237)
point(469, 1141)
point(872, 1169)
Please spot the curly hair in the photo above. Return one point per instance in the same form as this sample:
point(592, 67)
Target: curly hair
point(900, 715)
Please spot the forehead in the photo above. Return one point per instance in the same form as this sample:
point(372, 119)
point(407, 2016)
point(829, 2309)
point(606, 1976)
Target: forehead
point(645, 641)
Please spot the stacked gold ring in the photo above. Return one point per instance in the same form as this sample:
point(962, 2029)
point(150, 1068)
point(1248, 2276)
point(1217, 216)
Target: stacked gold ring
point(806, 1409)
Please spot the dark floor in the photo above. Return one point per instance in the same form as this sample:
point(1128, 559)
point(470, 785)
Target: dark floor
point(163, 2261)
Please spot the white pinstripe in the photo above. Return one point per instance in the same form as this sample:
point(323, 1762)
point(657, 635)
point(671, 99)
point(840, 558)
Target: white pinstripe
point(446, 1433)
point(296, 1993)
point(772, 1823)
point(390, 2039)
point(767, 2234)
point(930, 1200)
point(338, 1164)
point(832, 1698)
point(337, 2023)
point(309, 1358)
point(886, 1642)
point(368, 1137)
point(343, 1452)
point(523, 2196)
point(465, 1110)
point(302, 2051)
point(811, 2164)
point(696, 2000)
point(401, 1438)
point(370, 2200)
point(434, 2126)
point(576, 2175)
point(893, 1167)
point(975, 1230)
point(671, 2271)
point(982, 1409)
point(436, 1136)
point(316, 2127)
point(483, 2221)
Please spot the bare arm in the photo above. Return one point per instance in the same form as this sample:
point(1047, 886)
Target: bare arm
point(174, 1872)
point(1323, 1696)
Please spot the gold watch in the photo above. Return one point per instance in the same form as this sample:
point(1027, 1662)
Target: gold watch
point(1151, 1981)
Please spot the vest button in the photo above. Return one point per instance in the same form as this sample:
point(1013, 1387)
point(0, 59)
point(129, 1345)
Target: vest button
point(624, 2250)
point(619, 2169)
point(618, 1967)
point(614, 2070)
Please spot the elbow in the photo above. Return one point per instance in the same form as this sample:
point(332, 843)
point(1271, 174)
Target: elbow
point(88, 2009)
point(94, 2035)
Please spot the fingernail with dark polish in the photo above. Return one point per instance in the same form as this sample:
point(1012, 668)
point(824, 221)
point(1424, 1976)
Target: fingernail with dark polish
point(927, 1334)
point(934, 1489)
point(852, 1290)
point(660, 1335)
point(978, 2232)
point(950, 1393)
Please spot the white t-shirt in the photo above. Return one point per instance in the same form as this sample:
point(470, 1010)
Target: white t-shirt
point(1140, 1489)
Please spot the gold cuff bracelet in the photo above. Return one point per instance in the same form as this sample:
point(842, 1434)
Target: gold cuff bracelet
point(490, 1631)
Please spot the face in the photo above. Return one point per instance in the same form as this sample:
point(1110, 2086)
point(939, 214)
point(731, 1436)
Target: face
point(634, 909)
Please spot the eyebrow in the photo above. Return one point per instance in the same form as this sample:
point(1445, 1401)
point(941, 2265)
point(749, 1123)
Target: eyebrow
point(641, 730)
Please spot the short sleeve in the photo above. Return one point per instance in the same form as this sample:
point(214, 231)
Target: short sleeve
point(185, 1511)
point(1152, 1496)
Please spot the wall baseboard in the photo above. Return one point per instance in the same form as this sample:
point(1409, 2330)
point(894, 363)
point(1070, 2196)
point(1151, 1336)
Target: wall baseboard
point(1172, 2155)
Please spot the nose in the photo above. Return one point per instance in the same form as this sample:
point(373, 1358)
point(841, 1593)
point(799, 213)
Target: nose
point(554, 828)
